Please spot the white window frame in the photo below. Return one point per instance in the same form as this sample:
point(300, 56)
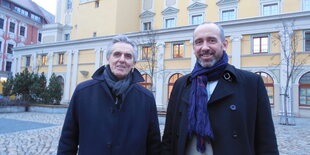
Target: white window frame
point(7, 44)
point(4, 23)
point(260, 35)
point(172, 52)
point(12, 34)
point(169, 18)
point(196, 14)
point(303, 5)
point(269, 2)
point(304, 40)
point(228, 9)
point(25, 34)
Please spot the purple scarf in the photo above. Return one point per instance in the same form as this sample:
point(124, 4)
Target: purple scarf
point(199, 122)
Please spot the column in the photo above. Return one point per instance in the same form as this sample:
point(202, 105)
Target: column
point(14, 66)
point(104, 57)
point(19, 62)
point(34, 62)
point(193, 57)
point(74, 70)
point(50, 65)
point(97, 61)
point(160, 74)
point(66, 98)
point(236, 50)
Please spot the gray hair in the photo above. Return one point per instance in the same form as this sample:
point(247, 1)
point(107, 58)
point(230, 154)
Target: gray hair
point(222, 34)
point(123, 39)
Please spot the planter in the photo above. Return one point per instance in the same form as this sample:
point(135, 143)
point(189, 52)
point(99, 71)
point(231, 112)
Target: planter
point(9, 109)
point(58, 109)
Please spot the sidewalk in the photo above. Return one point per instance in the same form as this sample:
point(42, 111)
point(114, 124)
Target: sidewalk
point(38, 134)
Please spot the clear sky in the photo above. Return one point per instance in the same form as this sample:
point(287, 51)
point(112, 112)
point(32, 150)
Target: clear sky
point(49, 5)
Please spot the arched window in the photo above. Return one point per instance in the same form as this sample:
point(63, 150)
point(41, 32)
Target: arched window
point(304, 90)
point(61, 81)
point(147, 83)
point(268, 81)
point(172, 80)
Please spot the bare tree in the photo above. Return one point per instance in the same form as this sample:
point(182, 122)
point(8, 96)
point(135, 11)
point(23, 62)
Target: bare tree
point(288, 39)
point(148, 57)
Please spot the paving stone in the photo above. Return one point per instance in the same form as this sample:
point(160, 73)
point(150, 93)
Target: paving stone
point(292, 140)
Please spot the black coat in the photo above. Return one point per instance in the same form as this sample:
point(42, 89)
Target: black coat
point(94, 125)
point(239, 112)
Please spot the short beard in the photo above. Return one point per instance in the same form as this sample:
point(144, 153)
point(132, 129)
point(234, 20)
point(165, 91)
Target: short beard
point(207, 65)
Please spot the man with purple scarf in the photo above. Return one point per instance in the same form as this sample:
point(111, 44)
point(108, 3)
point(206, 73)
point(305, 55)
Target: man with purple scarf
point(217, 108)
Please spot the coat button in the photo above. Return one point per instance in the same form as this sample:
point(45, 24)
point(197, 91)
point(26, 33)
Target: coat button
point(233, 107)
point(109, 145)
point(235, 135)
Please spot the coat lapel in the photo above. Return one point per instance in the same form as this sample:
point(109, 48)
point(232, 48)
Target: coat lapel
point(223, 89)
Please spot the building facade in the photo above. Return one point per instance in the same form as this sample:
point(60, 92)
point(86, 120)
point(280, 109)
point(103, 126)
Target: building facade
point(20, 24)
point(261, 33)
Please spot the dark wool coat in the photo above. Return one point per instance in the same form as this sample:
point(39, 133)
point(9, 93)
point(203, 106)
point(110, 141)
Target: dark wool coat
point(94, 125)
point(239, 112)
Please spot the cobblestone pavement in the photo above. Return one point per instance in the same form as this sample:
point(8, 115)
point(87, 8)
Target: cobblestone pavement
point(43, 140)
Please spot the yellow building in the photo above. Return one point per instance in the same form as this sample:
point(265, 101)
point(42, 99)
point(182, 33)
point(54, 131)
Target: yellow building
point(76, 46)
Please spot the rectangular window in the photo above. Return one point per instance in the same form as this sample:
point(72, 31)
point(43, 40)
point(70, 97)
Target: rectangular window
point(61, 58)
point(6, 3)
point(146, 52)
point(39, 37)
point(260, 44)
point(21, 11)
point(1, 23)
point(69, 4)
point(27, 64)
point(307, 41)
point(170, 22)
point(35, 18)
point(12, 27)
point(270, 9)
point(147, 26)
point(22, 30)
point(67, 36)
point(228, 15)
point(304, 96)
point(10, 48)
point(306, 5)
point(44, 60)
point(197, 19)
point(178, 50)
point(8, 66)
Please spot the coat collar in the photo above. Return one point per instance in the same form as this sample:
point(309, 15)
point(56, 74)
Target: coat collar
point(98, 75)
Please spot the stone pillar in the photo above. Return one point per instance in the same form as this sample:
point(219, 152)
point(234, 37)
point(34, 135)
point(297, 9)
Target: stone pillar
point(19, 63)
point(50, 65)
point(74, 70)
point(34, 62)
point(193, 57)
point(14, 66)
point(160, 74)
point(104, 57)
point(236, 50)
point(66, 98)
point(97, 61)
